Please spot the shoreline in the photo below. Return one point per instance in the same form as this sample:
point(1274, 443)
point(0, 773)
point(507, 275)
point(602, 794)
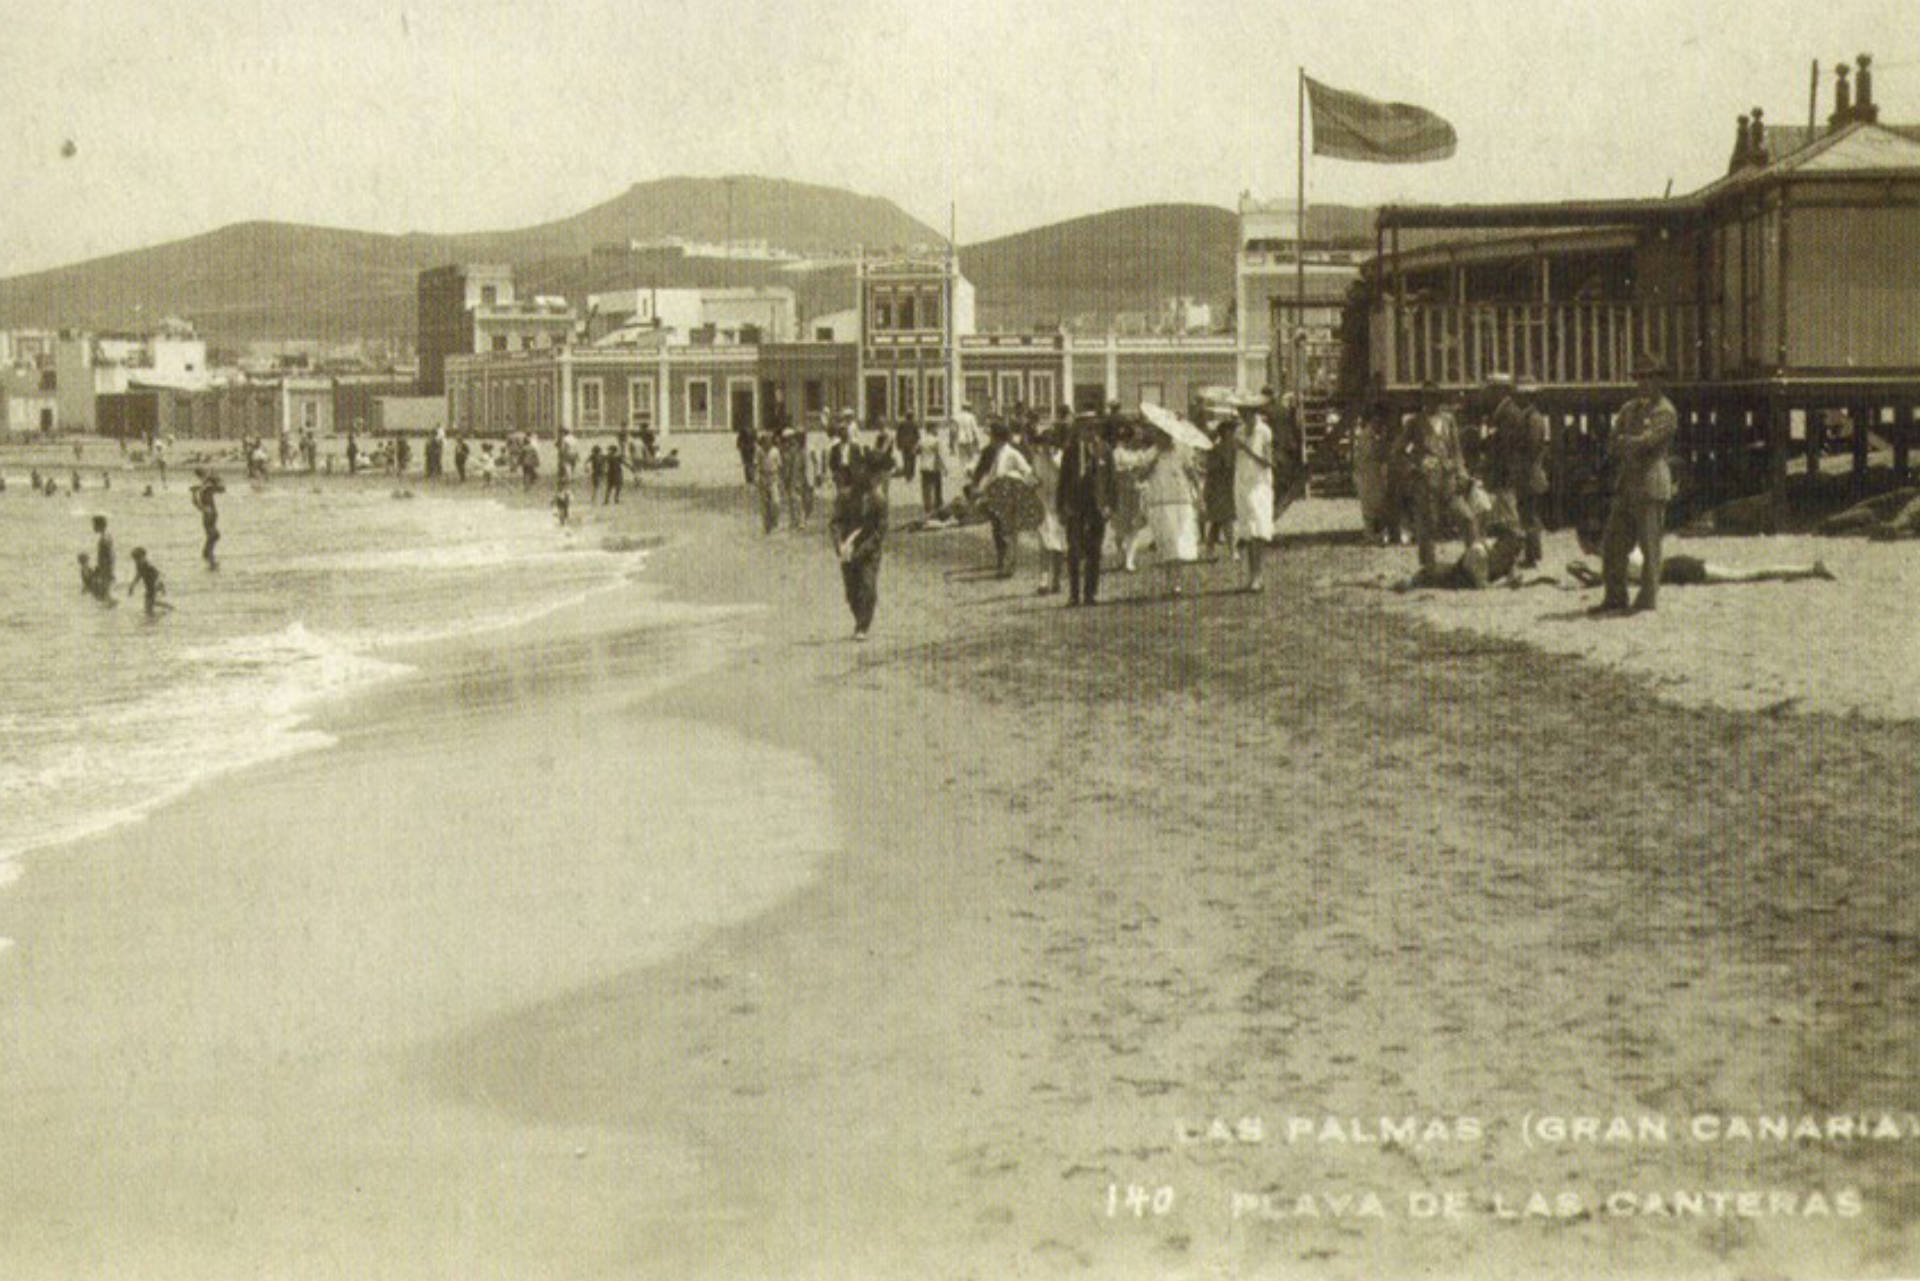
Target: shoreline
point(1098, 876)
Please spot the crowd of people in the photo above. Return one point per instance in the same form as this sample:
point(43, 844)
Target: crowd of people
point(1215, 482)
point(1477, 468)
point(1077, 484)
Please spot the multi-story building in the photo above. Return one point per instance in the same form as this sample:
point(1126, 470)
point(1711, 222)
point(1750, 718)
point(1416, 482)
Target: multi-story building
point(902, 349)
point(1289, 294)
point(28, 400)
point(913, 315)
point(448, 297)
point(89, 366)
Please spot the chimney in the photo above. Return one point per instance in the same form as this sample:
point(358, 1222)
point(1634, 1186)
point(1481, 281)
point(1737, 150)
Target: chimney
point(1757, 152)
point(1842, 99)
point(1742, 147)
point(1865, 109)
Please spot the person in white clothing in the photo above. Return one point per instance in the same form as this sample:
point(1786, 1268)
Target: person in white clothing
point(1253, 518)
point(1044, 456)
point(1167, 489)
point(1002, 462)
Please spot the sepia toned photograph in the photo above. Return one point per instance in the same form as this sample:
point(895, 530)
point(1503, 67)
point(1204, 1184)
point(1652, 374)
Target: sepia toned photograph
point(959, 639)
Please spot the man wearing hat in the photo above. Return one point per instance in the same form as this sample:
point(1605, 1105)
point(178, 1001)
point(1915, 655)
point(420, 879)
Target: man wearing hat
point(1516, 465)
point(859, 525)
point(840, 450)
point(1642, 488)
point(1089, 489)
point(1481, 432)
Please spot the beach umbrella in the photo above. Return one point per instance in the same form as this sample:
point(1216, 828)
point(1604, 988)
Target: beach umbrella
point(1182, 431)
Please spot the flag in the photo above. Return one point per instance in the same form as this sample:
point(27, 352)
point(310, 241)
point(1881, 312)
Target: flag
point(1347, 126)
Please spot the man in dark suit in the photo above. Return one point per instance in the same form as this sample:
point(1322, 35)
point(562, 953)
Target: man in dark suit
point(1085, 498)
point(1642, 488)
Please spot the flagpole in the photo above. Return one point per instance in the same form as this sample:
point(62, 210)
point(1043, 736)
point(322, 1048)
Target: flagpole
point(1299, 250)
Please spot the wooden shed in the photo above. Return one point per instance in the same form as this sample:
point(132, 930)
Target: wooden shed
point(1787, 291)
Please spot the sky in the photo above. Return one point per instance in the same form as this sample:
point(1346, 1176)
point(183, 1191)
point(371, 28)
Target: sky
point(466, 115)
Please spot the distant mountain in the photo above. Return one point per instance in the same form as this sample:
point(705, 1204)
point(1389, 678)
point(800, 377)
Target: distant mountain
point(283, 280)
point(788, 215)
point(1126, 260)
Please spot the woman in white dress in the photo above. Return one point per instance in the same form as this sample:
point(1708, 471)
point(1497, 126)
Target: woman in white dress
point(1168, 491)
point(1044, 455)
point(1253, 523)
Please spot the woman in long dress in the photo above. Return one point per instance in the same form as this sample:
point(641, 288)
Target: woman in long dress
point(1045, 458)
point(1253, 514)
point(1167, 489)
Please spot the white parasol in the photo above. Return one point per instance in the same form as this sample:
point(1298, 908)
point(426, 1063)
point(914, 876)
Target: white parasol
point(1182, 431)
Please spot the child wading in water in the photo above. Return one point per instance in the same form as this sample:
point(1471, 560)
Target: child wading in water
point(147, 576)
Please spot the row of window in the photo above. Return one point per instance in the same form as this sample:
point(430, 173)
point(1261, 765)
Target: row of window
point(528, 403)
point(903, 308)
point(923, 393)
point(1012, 389)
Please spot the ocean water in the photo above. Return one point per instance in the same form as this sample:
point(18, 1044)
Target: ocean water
point(105, 715)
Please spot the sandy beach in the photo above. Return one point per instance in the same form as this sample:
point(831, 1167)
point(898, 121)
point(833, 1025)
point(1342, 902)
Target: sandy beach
point(997, 914)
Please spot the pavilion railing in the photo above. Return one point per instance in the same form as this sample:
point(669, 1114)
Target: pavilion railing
point(1558, 344)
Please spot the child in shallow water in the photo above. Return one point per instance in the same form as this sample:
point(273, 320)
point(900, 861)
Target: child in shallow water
point(146, 576)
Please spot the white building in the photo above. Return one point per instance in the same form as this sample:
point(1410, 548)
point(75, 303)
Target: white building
point(1269, 269)
point(88, 366)
point(716, 315)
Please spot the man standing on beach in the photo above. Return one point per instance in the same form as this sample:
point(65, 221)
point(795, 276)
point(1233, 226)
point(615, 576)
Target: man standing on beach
point(615, 464)
point(796, 489)
point(1089, 488)
point(859, 528)
point(1516, 464)
point(840, 451)
point(766, 480)
point(1642, 488)
point(743, 442)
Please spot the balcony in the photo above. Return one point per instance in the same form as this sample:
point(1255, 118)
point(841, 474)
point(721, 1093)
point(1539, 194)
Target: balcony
point(1559, 344)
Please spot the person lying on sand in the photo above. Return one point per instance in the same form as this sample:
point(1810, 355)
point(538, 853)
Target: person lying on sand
point(1485, 561)
point(1693, 571)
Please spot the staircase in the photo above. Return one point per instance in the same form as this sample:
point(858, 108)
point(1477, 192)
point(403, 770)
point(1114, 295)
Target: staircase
point(1329, 448)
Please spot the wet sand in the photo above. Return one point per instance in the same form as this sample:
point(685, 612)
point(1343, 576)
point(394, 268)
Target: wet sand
point(1096, 878)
